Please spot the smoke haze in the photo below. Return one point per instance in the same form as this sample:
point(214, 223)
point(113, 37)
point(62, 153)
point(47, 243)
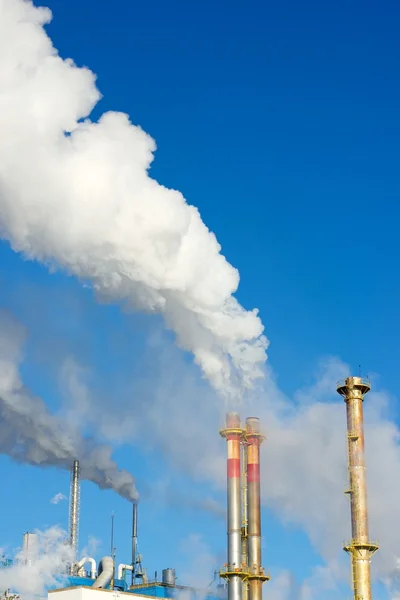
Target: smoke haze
point(29, 433)
point(32, 581)
point(84, 202)
point(304, 465)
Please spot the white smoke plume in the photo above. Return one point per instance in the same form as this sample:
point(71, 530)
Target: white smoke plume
point(29, 433)
point(47, 570)
point(84, 202)
point(76, 195)
point(58, 498)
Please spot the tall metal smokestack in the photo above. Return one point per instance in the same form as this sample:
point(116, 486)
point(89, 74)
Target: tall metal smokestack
point(134, 540)
point(360, 548)
point(234, 572)
point(256, 575)
point(74, 513)
point(243, 483)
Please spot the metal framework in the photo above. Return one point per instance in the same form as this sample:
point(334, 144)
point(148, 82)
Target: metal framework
point(360, 548)
point(74, 508)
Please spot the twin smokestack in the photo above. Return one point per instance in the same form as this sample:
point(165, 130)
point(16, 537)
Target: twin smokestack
point(243, 571)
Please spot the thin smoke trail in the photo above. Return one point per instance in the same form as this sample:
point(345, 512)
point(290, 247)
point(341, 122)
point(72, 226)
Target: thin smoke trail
point(29, 433)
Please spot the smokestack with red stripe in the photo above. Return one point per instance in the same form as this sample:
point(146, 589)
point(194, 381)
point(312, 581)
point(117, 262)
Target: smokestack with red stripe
point(256, 572)
point(234, 572)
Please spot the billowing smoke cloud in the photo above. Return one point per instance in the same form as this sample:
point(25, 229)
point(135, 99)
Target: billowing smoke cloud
point(30, 434)
point(46, 571)
point(84, 202)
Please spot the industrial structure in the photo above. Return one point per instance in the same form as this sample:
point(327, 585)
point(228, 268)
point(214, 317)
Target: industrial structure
point(242, 577)
point(360, 548)
point(74, 508)
point(30, 548)
point(134, 541)
point(256, 574)
point(243, 571)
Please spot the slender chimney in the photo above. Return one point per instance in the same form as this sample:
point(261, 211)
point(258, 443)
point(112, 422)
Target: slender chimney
point(234, 571)
point(256, 572)
point(243, 483)
point(360, 548)
point(74, 513)
point(134, 540)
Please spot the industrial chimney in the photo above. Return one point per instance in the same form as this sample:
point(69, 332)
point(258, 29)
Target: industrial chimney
point(360, 548)
point(74, 514)
point(256, 574)
point(30, 548)
point(234, 572)
point(243, 483)
point(134, 541)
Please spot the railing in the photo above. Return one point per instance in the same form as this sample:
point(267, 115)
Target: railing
point(361, 380)
point(243, 570)
point(370, 545)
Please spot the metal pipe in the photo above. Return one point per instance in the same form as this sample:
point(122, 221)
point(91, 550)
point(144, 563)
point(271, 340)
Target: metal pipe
point(112, 550)
point(134, 540)
point(74, 513)
point(83, 562)
point(112, 534)
point(245, 558)
point(30, 547)
point(234, 572)
point(360, 548)
point(122, 569)
point(106, 572)
point(256, 571)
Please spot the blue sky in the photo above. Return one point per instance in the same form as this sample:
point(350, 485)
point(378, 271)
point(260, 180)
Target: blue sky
point(280, 123)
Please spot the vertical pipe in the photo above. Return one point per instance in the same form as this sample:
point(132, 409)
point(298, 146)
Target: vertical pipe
point(30, 547)
point(360, 548)
point(233, 434)
point(256, 572)
point(245, 561)
point(112, 534)
point(112, 551)
point(134, 541)
point(74, 513)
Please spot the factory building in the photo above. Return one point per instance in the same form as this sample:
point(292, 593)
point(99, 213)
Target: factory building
point(166, 588)
point(89, 593)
